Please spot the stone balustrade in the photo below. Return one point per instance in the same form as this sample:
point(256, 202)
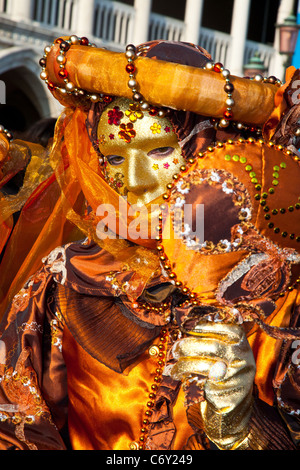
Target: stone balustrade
point(113, 23)
point(164, 27)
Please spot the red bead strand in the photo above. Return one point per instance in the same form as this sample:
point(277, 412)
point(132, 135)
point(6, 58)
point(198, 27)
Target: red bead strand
point(157, 351)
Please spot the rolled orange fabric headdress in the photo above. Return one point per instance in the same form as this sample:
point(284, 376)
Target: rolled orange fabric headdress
point(162, 83)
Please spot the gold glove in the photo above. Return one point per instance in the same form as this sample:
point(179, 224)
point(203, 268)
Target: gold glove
point(221, 357)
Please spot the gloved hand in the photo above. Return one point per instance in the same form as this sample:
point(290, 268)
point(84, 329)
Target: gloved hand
point(220, 355)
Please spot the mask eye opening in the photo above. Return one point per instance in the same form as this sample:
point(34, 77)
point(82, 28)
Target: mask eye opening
point(160, 152)
point(115, 160)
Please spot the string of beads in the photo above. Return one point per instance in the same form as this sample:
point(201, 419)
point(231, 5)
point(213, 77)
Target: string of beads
point(68, 87)
point(157, 352)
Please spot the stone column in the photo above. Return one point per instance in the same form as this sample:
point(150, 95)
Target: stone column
point(84, 18)
point(192, 20)
point(141, 21)
point(21, 11)
point(239, 29)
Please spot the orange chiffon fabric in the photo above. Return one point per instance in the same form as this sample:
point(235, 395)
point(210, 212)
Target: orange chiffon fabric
point(118, 400)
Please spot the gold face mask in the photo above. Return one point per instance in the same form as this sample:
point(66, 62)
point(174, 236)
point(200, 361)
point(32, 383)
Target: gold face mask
point(141, 152)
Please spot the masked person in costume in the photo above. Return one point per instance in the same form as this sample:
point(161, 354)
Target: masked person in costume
point(175, 341)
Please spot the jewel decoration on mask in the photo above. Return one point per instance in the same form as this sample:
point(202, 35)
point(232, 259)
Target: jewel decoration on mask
point(155, 166)
point(101, 139)
point(116, 181)
point(134, 112)
point(166, 165)
point(127, 132)
point(111, 136)
point(69, 88)
point(156, 128)
point(115, 116)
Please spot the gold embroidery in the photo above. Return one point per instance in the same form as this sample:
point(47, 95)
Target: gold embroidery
point(55, 334)
point(20, 386)
point(33, 287)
